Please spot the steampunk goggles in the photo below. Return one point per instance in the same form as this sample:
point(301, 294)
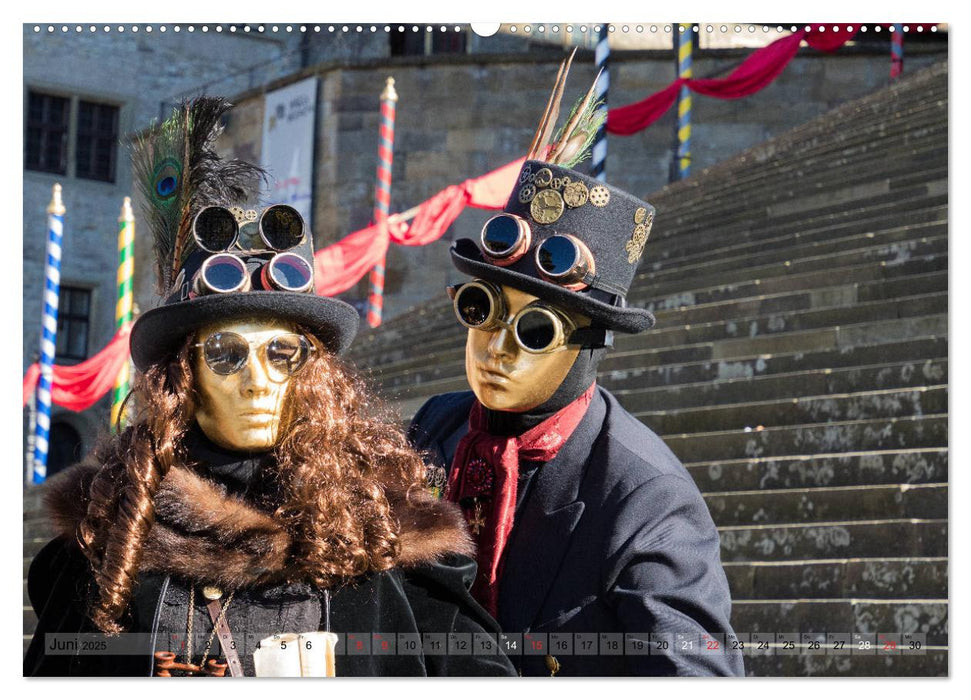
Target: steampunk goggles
point(562, 259)
point(537, 327)
point(217, 230)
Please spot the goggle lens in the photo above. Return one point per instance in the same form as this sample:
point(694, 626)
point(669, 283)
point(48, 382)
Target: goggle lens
point(224, 273)
point(215, 229)
point(536, 330)
point(289, 272)
point(474, 305)
point(501, 235)
point(281, 227)
point(227, 353)
point(557, 256)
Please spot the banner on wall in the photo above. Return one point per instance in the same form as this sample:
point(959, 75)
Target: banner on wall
point(288, 145)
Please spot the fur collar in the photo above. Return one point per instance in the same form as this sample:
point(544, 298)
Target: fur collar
point(202, 533)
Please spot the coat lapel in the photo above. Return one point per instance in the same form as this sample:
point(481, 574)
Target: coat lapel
point(542, 535)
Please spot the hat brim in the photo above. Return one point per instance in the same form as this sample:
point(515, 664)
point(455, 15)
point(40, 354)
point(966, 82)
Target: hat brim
point(159, 332)
point(467, 257)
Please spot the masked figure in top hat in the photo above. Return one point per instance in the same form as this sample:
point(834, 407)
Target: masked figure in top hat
point(584, 520)
point(254, 493)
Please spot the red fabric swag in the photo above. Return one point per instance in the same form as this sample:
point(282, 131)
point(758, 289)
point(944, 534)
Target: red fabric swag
point(484, 480)
point(77, 387)
point(753, 74)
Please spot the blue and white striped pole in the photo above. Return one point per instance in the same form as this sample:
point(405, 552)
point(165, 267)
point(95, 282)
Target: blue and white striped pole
point(48, 338)
point(598, 168)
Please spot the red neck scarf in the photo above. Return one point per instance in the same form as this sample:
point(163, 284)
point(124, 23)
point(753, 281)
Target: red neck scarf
point(485, 476)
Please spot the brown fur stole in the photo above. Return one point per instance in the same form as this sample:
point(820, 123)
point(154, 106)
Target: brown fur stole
point(202, 533)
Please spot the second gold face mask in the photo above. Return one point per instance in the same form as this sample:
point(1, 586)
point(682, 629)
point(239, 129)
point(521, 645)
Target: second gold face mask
point(505, 377)
point(242, 411)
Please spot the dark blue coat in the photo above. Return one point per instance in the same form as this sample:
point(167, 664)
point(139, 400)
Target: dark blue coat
point(614, 537)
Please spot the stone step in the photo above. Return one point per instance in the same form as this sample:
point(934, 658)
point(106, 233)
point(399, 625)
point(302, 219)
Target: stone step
point(834, 540)
point(908, 466)
point(774, 196)
point(904, 577)
point(754, 415)
point(750, 170)
point(674, 243)
point(764, 506)
point(746, 327)
point(624, 371)
point(933, 663)
point(776, 387)
point(844, 616)
point(772, 203)
point(734, 269)
point(858, 435)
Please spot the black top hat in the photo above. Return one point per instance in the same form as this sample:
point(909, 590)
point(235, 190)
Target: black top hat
point(551, 199)
point(182, 180)
point(612, 224)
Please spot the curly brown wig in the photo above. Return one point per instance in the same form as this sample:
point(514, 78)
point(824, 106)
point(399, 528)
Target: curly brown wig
point(340, 466)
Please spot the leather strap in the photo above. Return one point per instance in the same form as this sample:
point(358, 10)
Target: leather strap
point(225, 639)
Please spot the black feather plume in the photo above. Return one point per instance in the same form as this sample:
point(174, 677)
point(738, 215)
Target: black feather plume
point(177, 172)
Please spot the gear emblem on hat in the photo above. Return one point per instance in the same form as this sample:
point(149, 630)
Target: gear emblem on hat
point(575, 194)
point(544, 176)
point(547, 206)
point(524, 175)
point(640, 215)
point(526, 193)
point(599, 196)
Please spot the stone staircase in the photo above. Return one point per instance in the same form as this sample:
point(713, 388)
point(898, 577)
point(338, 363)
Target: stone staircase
point(798, 367)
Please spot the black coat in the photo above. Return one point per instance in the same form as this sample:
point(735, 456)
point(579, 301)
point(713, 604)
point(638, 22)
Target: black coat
point(613, 537)
point(205, 533)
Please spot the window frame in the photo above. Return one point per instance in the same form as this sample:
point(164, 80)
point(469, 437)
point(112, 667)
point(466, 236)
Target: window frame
point(74, 133)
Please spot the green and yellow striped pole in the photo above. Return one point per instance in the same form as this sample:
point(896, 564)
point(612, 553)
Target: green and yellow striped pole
point(123, 309)
point(684, 42)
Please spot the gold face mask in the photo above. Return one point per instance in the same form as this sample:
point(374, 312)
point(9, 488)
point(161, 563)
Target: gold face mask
point(242, 410)
point(505, 377)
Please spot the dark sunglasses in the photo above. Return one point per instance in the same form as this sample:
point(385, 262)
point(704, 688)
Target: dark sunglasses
point(226, 353)
point(537, 327)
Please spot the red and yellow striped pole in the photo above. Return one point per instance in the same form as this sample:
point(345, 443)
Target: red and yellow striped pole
point(382, 196)
point(123, 309)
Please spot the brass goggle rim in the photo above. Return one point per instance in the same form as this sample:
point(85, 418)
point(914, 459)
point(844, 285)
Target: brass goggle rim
point(579, 274)
point(563, 326)
point(514, 252)
point(263, 236)
point(305, 345)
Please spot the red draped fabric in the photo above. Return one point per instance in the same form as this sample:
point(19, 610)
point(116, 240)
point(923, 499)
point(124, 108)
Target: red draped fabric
point(754, 73)
point(78, 387)
point(338, 267)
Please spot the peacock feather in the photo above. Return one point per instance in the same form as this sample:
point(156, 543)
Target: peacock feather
point(178, 172)
point(573, 141)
